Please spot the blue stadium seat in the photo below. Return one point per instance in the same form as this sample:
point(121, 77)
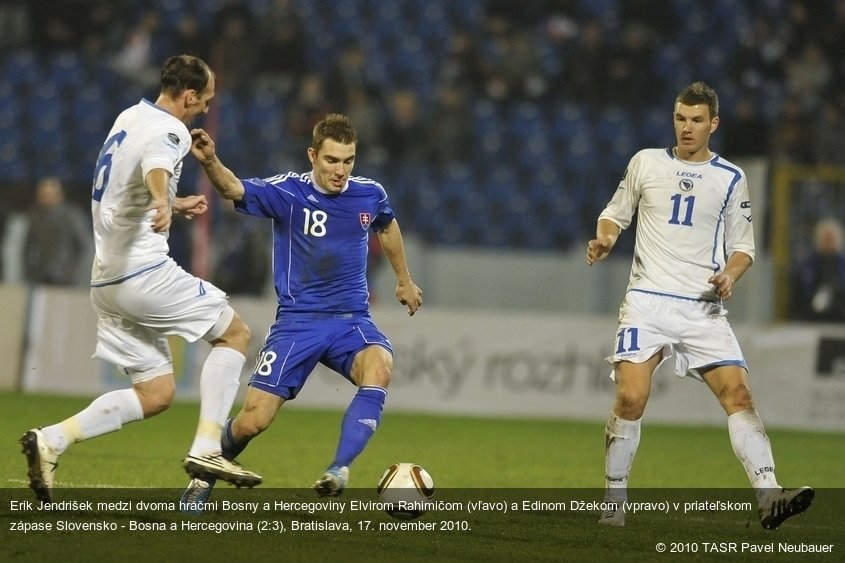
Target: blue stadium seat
point(467, 14)
point(486, 118)
point(12, 164)
point(22, 68)
point(10, 102)
point(66, 70)
point(527, 121)
point(655, 127)
point(87, 104)
point(533, 151)
point(172, 11)
point(613, 122)
point(670, 64)
point(570, 121)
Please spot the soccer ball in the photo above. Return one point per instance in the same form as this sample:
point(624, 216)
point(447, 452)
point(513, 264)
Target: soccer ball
point(406, 488)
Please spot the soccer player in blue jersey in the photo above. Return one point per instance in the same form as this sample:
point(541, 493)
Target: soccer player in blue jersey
point(694, 241)
point(321, 224)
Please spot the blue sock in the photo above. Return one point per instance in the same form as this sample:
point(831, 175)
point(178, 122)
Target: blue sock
point(359, 423)
point(228, 445)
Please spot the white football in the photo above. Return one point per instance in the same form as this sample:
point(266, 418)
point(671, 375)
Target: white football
point(406, 490)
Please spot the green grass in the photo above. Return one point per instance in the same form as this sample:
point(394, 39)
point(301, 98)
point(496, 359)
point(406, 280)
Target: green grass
point(470, 459)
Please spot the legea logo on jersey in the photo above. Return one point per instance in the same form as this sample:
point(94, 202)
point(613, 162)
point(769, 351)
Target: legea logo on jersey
point(686, 184)
point(365, 220)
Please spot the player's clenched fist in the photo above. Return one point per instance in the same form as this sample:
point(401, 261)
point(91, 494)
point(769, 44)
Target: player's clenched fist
point(598, 249)
point(202, 145)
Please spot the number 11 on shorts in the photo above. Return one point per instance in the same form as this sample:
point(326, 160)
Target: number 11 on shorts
point(629, 334)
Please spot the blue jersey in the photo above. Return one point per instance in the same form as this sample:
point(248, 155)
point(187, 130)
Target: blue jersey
point(319, 240)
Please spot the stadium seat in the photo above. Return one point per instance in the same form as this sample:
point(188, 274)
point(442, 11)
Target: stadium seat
point(570, 122)
point(612, 122)
point(22, 68)
point(66, 70)
point(654, 128)
point(527, 122)
point(486, 118)
point(12, 165)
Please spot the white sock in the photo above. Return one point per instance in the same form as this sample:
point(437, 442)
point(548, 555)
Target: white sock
point(107, 413)
point(221, 375)
point(622, 438)
point(752, 448)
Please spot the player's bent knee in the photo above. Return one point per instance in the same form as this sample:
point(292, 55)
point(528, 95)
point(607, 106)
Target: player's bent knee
point(237, 335)
point(630, 406)
point(373, 366)
point(737, 398)
point(156, 395)
point(379, 377)
point(230, 330)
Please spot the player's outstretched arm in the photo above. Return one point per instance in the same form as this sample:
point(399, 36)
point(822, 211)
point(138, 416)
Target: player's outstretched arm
point(606, 234)
point(407, 292)
point(224, 180)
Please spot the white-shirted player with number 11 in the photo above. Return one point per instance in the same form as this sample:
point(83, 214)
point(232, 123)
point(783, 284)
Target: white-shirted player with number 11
point(141, 295)
point(694, 240)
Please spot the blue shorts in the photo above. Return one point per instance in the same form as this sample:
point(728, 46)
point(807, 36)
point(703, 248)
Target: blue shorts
point(298, 342)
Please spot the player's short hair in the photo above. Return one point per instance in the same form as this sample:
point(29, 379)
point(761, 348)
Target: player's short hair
point(184, 72)
point(336, 127)
point(700, 93)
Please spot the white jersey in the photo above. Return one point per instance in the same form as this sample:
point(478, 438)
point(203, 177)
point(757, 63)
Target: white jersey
point(692, 215)
point(144, 137)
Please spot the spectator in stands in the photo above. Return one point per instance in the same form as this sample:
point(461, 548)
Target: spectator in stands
point(58, 240)
point(190, 38)
point(819, 279)
point(828, 137)
point(626, 81)
point(585, 77)
point(451, 132)
point(14, 26)
point(242, 256)
point(807, 75)
point(308, 106)
point(134, 59)
point(404, 127)
point(748, 133)
point(281, 46)
point(352, 73)
point(791, 138)
point(56, 26)
point(363, 107)
point(236, 46)
point(462, 66)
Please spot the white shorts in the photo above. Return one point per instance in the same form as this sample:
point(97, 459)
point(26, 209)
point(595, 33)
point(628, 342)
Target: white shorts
point(136, 315)
point(697, 333)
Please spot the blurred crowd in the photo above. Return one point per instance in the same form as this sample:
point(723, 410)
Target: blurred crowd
point(484, 118)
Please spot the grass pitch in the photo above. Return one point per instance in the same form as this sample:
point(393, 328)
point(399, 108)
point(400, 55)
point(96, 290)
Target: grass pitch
point(512, 490)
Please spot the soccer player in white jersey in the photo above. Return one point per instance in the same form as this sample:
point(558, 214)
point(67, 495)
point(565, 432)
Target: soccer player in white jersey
point(141, 295)
point(694, 240)
point(322, 221)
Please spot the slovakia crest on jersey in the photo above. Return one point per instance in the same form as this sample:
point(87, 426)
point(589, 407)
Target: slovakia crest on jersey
point(365, 220)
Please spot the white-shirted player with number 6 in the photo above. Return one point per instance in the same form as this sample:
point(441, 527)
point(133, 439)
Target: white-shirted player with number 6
point(142, 296)
point(694, 240)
